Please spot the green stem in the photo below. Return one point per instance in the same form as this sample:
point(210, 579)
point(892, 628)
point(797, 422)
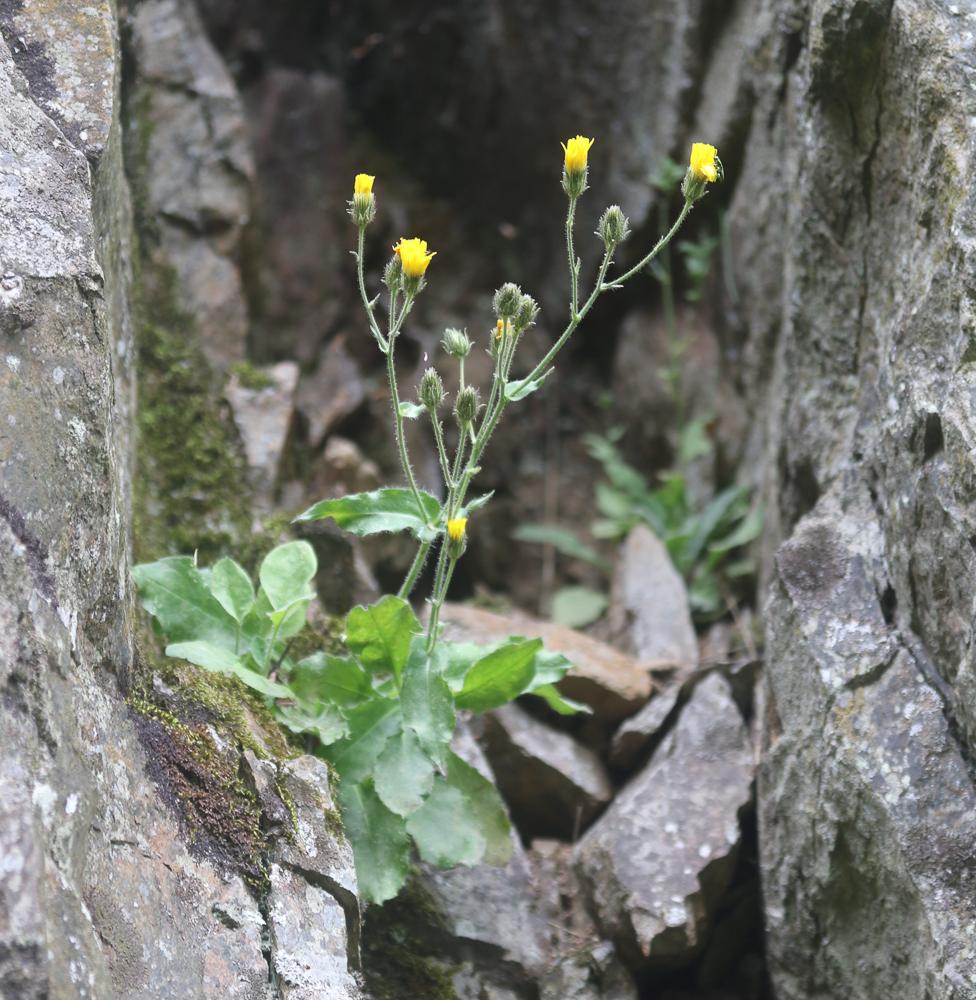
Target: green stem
point(571, 254)
point(401, 440)
point(367, 305)
point(661, 243)
point(436, 599)
point(441, 450)
point(416, 567)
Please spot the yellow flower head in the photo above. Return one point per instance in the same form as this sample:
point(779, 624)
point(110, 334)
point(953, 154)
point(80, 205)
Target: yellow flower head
point(576, 150)
point(364, 184)
point(500, 329)
point(414, 257)
point(703, 161)
point(456, 527)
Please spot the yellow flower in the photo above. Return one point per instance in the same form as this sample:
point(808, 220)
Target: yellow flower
point(499, 329)
point(364, 184)
point(576, 150)
point(414, 257)
point(703, 165)
point(455, 528)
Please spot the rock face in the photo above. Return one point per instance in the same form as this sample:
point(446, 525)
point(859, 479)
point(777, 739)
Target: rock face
point(658, 860)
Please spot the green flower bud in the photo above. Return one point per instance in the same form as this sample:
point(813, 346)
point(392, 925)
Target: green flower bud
point(456, 343)
point(431, 390)
point(507, 300)
point(614, 227)
point(467, 405)
point(528, 310)
point(393, 273)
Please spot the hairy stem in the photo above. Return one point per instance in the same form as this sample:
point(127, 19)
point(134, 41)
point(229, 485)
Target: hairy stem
point(416, 567)
point(658, 247)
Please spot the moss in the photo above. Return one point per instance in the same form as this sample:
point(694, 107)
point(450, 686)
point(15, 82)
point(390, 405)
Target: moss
point(397, 949)
point(250, 376)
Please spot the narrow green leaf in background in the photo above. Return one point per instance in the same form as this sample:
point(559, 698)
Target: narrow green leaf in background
point(577, 607)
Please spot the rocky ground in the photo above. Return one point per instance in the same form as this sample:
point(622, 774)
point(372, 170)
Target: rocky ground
point(185, 367)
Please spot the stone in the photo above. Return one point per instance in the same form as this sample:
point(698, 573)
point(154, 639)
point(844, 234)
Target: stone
point(648, 614)
point(264, 416)
point(552, 785)
point(331, 393)
point(612, 684)
point(345, 469)
point(596, 974)
point(638, 735)
point(657, 862)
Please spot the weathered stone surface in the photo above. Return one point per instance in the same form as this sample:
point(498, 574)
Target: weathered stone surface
point(264, 415)
point(333, 392)
point(656, 863)
point(639, 734)
point(648, 612)
point(552, 785)
point(594, 975)
point(613, 684)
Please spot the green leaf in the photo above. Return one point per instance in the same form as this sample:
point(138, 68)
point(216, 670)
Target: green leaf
point(291, 620)
point(514, 391)
point(557, 702)
point(175, 594)
point(321, 720)
point(577, 607)
point(446, 833)
point(499, 677)
point(747, 531)
point(392, 509)
point(427, 703)
point(562, 540)
point(370, 726)
point(484, 806)
point(286, 573)
point(379, 635)
point(404, 774)
point(411, 410)
point(472, 505)
point(335, 679)
point(219, 660)
point(232, 587)
point(379, 841)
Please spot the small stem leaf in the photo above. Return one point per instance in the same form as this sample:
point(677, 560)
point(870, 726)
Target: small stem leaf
point(379, 841)
point(445, 832)
point(427, 703)
point(232, 587)
point(499, 677)
point(370, 726)
point(286, 574)
point(391, 509)
point(174, 593)
point(411, 411)
point(379, 635)
point(404, 774)
point(519, 389)
point(476, 504)
point(332, 679)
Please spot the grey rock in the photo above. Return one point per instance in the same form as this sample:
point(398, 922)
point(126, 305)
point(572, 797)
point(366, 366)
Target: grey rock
point(648, 612)
point(264, 418)
point(594, 975)
point(345, 469)
point(334, 391)
point(656, 864)
point(553, 785)
point(639, 734)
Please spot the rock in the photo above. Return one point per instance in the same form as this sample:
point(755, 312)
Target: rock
point(656, 864)
point(345, 469)
point(560, 897)
point(552, 785)
point(638, 735)
point(593, 975)
point(648, 612)
point(264, 414)
point(611, 683)
point(344, 578)
point(334, 391)
point(308, 941)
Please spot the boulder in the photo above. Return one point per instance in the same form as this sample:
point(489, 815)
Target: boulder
point(639, 734)
point(332, 392)
point(657, 862)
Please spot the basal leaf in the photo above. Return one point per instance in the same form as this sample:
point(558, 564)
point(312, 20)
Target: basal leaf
point(499, 677)
point(290, 620)
point(484, 806)
point(287, 572)
point(562, 540)
point(219, 660)
point(321, 720)
point(445, 830)
point(404, 774)
point(370, 726)
point(232, 587)
point(391, 509)
point(175, 594)
point(379, 635)
point(427, 703)
point(334, 679)
point(379, 841)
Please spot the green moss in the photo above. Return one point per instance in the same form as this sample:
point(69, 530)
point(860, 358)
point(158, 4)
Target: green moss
point(250, 376)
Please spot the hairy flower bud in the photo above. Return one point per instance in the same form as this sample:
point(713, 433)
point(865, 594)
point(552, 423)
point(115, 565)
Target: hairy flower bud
point(614, 227)
point(457, 536)
point(467, 405)
point(507, 300)
point(393, 274)
point(527, 311)
point(431, 390)
point(456, 343)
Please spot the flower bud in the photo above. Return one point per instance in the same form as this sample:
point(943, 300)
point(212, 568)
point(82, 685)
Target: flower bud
point(456, 343)
point(704, 168)
point(431, 390)
point(467, 405)
point(457, 540)
point(527, 311)
point(393, 274)
point(362, 208)
point(507, 300)
point(574, 165)
point(614, 227)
